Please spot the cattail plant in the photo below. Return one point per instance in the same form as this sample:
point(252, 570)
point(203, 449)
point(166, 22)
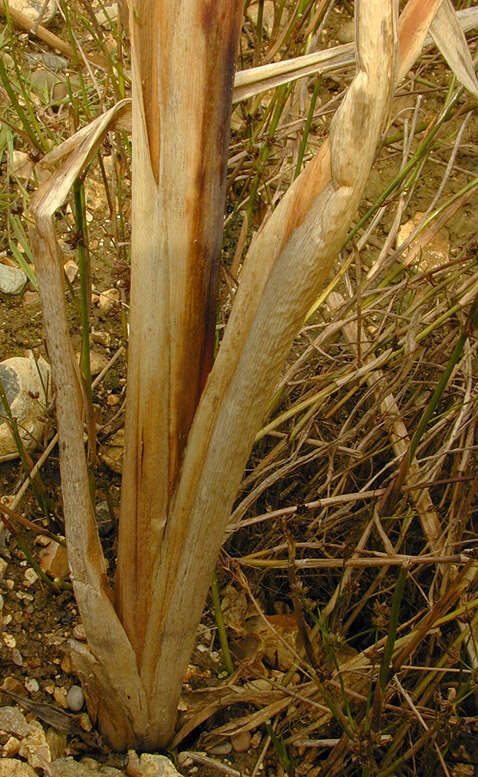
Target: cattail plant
point(192, 416)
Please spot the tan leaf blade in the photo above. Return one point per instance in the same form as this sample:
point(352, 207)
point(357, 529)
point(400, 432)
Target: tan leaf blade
point(76, 152)
point(450, 40)
point(414, 23)
point(109, 646)
point(254, 80)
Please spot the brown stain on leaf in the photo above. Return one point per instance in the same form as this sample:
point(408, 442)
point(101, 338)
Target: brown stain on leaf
point(308, 185)
point(220, 25)
point(145, 32)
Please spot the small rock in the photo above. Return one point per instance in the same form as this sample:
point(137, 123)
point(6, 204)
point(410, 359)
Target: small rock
point(59, 694)
point(79, 632)
point(71, 269)
point(22, 166)
point(111, 453)
point(11, 746)
point(108, 301)
point(103, 518)
point(51, 61)
point(10, 767)
point(12, 684)
point(256, 739)
point(433, 252)
point(87, 767)
point(12, 279)
point(224, 748)
point(30, 577)
point(268, 11)
point(346, 32)
point(8, 61)
point(9, 640)
point(113, 400)
point(17, 657)
point(31, 684)
point(75, 698)
point(25, 381)
point(108, 16)
point(56, 743)
point(241, 742)
point(43, 540)
point(31, 298)
point(66, 664)
point(34, 747)
point(85, 722)
point(13, 721)
point(24, 596)
point(150, 766)
point(97, 362)
point(33, 9)
point(101, 337)
point(49, 86)
point(3, 567)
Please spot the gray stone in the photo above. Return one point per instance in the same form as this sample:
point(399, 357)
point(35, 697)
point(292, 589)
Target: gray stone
point(35, 11)
point(49, 86)
point(88, 767)
point(75, 698)
point(51, 61)
point(108, 15)
point(26, 383)
point(13, 721)
point(346, 32)
point(103, 519)
point(12, 279)
point(151, 765)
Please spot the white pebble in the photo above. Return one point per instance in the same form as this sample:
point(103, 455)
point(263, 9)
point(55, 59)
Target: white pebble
point(31, 684)
point(75, 698)
point(30, 577)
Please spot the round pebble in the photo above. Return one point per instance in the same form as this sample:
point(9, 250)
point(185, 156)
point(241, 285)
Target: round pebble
point(75, 698)
point(240, 742)
point(31, 684)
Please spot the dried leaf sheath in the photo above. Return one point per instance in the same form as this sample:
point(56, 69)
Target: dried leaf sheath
point(183, 73)
point(115, 685)
point(288, 263)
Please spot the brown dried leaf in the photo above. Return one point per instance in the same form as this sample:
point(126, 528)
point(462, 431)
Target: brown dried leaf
point(54, 560)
